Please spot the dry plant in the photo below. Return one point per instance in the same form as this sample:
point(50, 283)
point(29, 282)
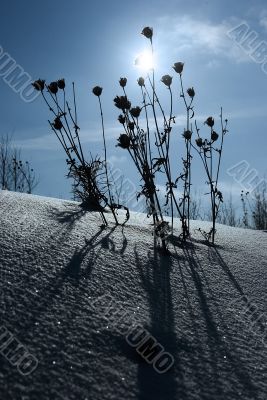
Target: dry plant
point(91, 182)
point(148, 138)
point(149, 148)
point(255, 208)
point(15, 173)
point(211, 159)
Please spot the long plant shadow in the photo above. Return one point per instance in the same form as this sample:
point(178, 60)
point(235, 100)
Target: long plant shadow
point(199, 359)
point(79, 266)
point(155, 280)
point(221, 342)
point(57, 303)
point(70, 214)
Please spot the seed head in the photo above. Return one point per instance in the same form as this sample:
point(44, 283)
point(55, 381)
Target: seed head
point(121, 119)
point(57, 124)
point(187, 135)
point(124, 141)
point(135, 111)
point(131, 126)
point(199, 142)
point(141, 81)
point(122, 102)
point(167, 80)
point(53, 87)
point(147, 32)
point(214, 136)
point(191, 92)
point(209, 121)
point(39, 85)
point(123, 82)
point(219, 195)
point(178, 67)
point(61, 84)
point(97, 90)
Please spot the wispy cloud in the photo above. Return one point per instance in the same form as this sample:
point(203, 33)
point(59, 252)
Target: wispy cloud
point(49, 142)
point(251, 112)
point(46, 142)
point(43, 141)
point(262, 18)
point(263, 22)
point(188, 34)
point(117, 159)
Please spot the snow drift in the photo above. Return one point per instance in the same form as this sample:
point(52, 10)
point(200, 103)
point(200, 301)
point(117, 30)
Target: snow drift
point(69, 287)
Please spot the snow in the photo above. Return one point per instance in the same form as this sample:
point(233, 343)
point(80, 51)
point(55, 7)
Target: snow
point(70, 289)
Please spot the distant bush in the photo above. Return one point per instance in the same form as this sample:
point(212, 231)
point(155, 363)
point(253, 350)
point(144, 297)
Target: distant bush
point(255, 208)
point(228, 214)
point(15, 174)
point(252, 216)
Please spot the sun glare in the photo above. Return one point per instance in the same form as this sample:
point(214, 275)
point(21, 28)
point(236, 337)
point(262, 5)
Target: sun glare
point(145, 61)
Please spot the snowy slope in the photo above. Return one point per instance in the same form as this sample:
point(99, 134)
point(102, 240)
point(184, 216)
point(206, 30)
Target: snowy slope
point(68, 287)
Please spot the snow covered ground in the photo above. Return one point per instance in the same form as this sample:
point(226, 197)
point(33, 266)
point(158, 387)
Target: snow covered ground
point(70, 290)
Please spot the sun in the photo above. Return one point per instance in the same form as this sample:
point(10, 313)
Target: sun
point(145, 61)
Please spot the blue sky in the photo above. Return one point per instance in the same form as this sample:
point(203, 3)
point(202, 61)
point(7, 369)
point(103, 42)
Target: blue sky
point(96, 42)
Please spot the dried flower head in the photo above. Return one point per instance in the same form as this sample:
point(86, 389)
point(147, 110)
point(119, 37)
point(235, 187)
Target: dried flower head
point(131, 126)
point(209, 121)
point(122, 102)
point(178, 67)
point(167, 80)
point(191, 92)
point(220, 195)
point(53, 88)
point(121, 119)
point(141, 81)
point(199, 142)
point(61, 84)
point(97, 90)
point(147, 32)
point(124, 141)
point(214, 136)
point(39, 85)
point(187, 135)
point(135, 111)
point(57, 124)
point(123, 82)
